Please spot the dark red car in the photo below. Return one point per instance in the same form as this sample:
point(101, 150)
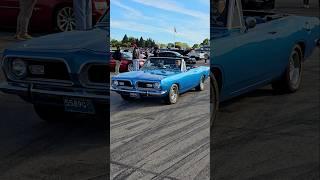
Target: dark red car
point(48, 14)
point(126, 63)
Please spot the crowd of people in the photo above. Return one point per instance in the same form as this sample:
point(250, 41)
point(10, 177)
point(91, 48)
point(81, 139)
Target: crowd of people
point(137, 53)
point(82, 14)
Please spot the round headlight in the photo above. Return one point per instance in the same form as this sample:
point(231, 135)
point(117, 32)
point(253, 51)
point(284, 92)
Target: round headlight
point(19, 68)
point(157, 85)
point(116, 83)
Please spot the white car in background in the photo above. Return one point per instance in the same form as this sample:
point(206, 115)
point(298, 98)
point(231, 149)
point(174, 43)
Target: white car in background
point(198, 54)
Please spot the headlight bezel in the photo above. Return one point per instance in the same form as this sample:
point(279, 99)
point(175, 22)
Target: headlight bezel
point(14, 67)
point(157, 85)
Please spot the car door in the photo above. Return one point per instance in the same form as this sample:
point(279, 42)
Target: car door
point(9, 10)
point(245, 56)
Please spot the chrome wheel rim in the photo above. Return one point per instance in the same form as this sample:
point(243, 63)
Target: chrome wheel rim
point(65, 19)
point(202, 83)
point(174, 94)
point(294, 68)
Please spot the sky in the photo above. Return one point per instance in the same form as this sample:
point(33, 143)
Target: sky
point(156, 19)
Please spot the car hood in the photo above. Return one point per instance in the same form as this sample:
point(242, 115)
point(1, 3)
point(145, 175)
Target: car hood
point(66, 41)
point(219, 33)
point(150, 75)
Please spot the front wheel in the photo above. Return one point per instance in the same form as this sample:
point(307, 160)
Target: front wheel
point(173, 95)
point(291, 79)
point(200, 87)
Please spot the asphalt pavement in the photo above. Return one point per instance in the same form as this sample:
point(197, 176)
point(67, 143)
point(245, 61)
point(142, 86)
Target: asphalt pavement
point(151, 140)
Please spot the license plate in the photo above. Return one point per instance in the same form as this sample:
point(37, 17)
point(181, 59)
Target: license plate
point(78, 105)
point(134, 95)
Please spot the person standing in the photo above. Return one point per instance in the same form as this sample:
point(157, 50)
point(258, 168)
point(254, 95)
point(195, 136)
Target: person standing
point(156, 51)
point(135, 58)
point(25, 12)
point(117, 56)
point(306, 3)
point(83, 14)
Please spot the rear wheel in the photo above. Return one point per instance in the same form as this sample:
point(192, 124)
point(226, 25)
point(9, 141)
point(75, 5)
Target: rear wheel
point(291, 79)
point(173, 95)
point(214, 99)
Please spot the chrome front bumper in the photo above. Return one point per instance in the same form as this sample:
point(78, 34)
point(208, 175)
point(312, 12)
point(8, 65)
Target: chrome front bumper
point(33, 90)
point(141, 92)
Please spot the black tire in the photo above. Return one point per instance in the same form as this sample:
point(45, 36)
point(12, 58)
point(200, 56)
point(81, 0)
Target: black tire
point(291, 79)
point(173, 95)
point(200, 87)
point(214, 99)
point(64, 13)
point(50, 113)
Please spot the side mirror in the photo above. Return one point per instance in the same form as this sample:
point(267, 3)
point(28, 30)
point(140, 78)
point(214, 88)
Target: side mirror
point(251, 22)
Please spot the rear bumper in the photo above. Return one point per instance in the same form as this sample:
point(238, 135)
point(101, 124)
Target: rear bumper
point(140, 92)
point(53, 95)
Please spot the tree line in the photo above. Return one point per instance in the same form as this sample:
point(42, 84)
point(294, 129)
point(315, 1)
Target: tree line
point(149, 43)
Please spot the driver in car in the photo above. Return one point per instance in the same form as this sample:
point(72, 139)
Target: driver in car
point(220, 12)
point(177, 64)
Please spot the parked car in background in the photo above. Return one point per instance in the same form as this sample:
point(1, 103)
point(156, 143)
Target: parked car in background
point(126, 62)
point(256, 49)
point(174, 54)
point(163, 77)
point(198, 54)
point(48, 14)
point(258, 4)
point(63, 75)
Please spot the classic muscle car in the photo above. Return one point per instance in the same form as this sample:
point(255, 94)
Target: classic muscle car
point(63, 75)
point(160, 77)
point(252, 49)
point(48, 14)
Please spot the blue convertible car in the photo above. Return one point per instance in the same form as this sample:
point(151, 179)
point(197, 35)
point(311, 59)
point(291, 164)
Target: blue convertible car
point(61, 74)
point(160, 77)
point(252, 49)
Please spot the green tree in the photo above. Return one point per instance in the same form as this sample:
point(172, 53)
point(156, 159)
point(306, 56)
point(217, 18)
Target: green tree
point(125, 39)
point(195, 46)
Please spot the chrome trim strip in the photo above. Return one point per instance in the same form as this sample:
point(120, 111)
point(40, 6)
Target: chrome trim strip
point(148, 93)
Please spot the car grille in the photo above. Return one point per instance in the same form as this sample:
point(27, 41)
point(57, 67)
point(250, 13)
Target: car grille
point(54, 70)
point(144, 85)
point(125, 84)
point(98, 74)
point(95, 75)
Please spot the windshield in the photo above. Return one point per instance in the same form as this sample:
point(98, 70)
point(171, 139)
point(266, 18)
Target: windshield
point(219, 12)
point(162, 63)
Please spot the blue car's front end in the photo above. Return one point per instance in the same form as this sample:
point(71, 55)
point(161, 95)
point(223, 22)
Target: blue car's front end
point(66, 70)
point(142, 83)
